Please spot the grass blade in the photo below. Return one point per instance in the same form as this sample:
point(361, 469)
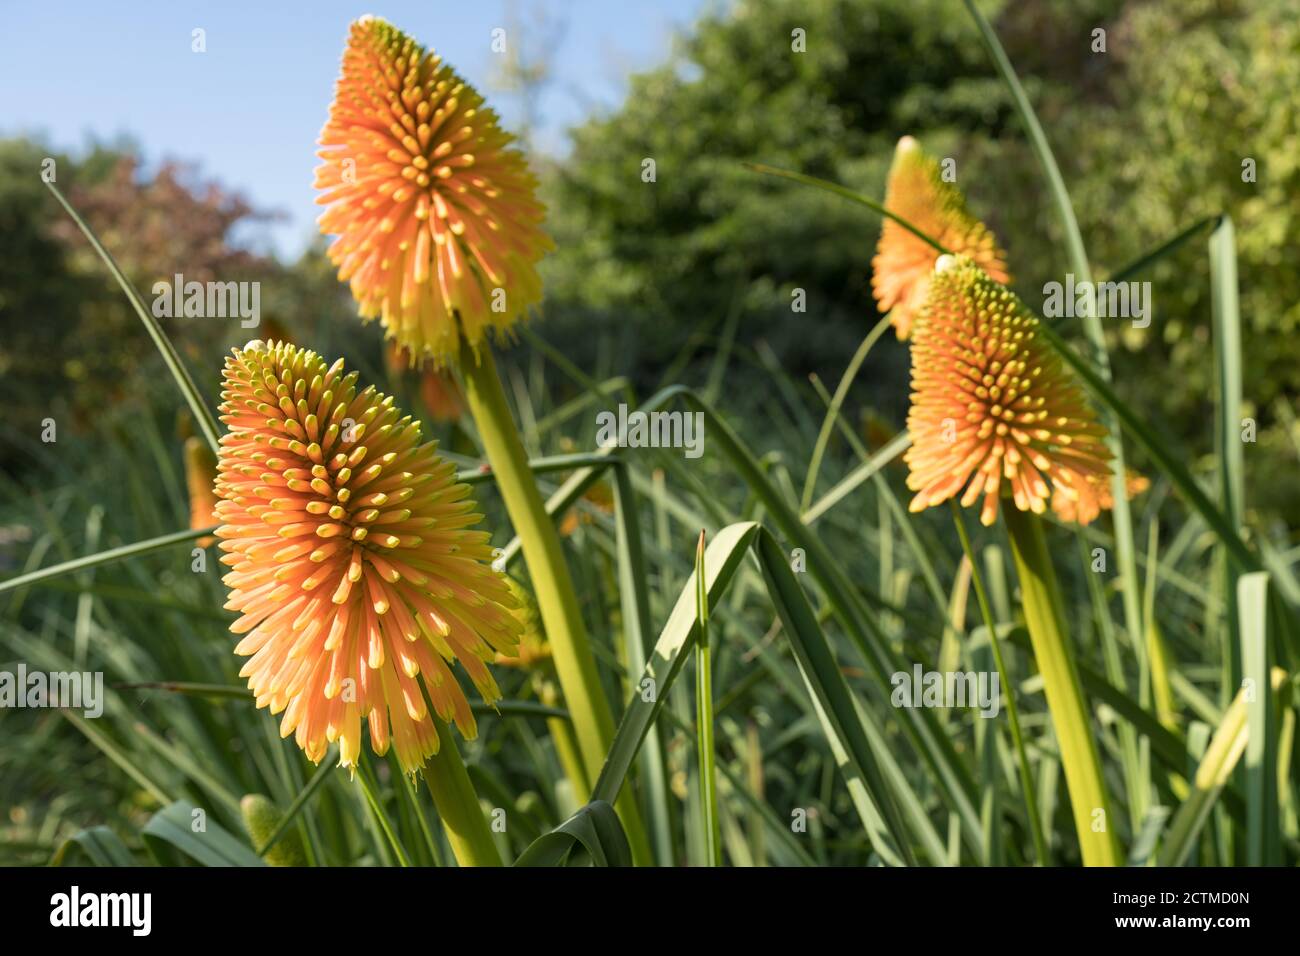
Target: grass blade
point(1226, 317)
point(1263, 831)
point(828, 423)
point(319, 777)
point(1212, 776)
point(595, 828)
point(635, 603)
point(704, 717)
point(180, 827)
point(100, 845)
point(203, 416)
point(103, 557)
point(1148, 259)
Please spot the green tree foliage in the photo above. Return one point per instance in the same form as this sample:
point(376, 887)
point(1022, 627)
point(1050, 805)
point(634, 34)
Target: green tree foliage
point(1151, 133)
point(825, 88)
point(1203, 99)
point(70, 347)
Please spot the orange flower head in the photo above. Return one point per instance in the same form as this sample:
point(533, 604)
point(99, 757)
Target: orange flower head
point(437, 227)
point(441, 395)
point(200, 470)
point(1068, 509)
point(354, 565)
point(438, 387)
point(904, 263)
point(994, 411)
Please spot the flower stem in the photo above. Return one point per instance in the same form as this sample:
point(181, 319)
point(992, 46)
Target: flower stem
point(1041, 599)
point(1013, 712)
point(566, 745)
point(575, 664)
point(453, 794)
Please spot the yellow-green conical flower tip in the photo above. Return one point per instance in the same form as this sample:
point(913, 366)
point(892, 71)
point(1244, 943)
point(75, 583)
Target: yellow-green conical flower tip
point(901, 270)
point(261, 819)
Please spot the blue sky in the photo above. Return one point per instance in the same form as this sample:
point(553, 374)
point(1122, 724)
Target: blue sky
point(249, 108)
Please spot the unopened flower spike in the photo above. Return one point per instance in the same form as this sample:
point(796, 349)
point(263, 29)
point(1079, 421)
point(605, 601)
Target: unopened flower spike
point(901, 269)
point(353, 561)
point(438, 229)
point(995, 414)
point(200, 470)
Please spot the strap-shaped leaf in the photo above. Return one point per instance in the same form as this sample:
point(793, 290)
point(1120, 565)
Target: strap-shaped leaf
point(594, 828)
point(96, 846)
point(170, 836)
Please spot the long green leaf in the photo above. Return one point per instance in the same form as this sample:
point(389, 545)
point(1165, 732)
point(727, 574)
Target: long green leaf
point(176, 829)
point(634, 601)
point(1263, 832)
point(100, 846)
point(104, 557)
point(203, 416)
point(595, 828)
point(1212, 776)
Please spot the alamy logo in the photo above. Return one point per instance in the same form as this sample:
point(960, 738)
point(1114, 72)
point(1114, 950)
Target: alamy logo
point(74, 908)
point(639, 429)
point(1106, 300)
point(73, 689)
point(208, 300)
point(922, 688)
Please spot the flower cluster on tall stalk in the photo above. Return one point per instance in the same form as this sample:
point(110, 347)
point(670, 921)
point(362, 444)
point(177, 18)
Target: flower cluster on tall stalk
point(354, 563)
point(438, 233)
point(993, 408)
point(435, 223)
point(996, 419)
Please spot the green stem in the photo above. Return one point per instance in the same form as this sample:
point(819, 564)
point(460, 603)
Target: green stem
point(1041, 599)
point(1013, 713)
point(832, 413)
point(453, 794)
point(104, 557)
point(575, 665)
point(371, 792)
point(704, 718)
point(300, 801)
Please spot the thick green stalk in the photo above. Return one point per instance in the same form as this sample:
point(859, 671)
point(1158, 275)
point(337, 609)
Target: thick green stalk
point(575, 664)
point(453, 794)
point(1013, 712)
point(1041, 599)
